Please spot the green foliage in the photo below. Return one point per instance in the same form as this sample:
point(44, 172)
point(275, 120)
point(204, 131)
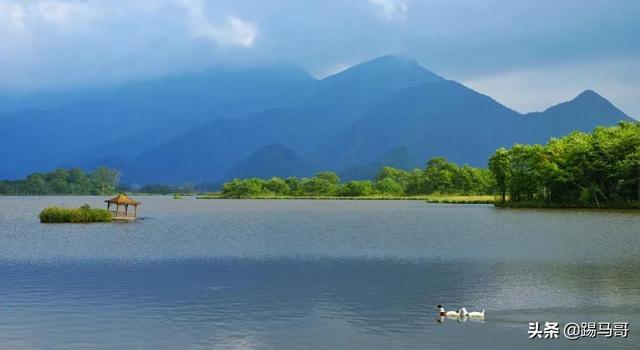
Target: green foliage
point(295, 185)
point(499, 166)
point(599, 169)
point(84, 214)
point(329, 176)
point(316, 186)
point(105, 180)
point(399, 176)
point(440, 176)
point(277, 186)
point(389, 185)
point(243, 188)
point(356, 189)
point(61, 181)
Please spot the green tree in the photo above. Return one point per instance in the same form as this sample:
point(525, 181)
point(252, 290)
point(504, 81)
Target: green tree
point(416, 183)
point(356, 189)
point(105, 180)
point(35, 184)
point(389, 185)
point(398, 175)
point(598, 169)
point(243, 188)
point(329, 176)
point(295, 185)
point(278, 186)
point(499, 166)
point(79, 182)
point(439, 175)
point(318, 187)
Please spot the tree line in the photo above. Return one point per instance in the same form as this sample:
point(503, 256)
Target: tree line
point(101, 181)
point(597, 169)
point(439, 176)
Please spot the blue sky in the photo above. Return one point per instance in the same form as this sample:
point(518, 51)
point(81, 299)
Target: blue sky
point(526, 54)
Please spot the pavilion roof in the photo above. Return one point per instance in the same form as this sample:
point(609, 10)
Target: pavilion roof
point(122, 199)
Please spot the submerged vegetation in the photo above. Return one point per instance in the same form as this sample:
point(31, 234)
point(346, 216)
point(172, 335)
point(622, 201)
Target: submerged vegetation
point(439, 177)
point(84, 214)
point(587, 170)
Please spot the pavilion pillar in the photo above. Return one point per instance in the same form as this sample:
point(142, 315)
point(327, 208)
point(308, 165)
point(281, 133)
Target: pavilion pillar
point(126, 209)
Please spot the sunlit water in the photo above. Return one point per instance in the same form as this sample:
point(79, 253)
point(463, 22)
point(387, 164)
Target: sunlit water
point(213, 274)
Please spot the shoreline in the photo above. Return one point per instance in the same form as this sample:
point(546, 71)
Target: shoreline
point(429, 199)
point(453, 199)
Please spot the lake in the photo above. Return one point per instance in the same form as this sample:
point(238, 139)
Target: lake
point(296, 274)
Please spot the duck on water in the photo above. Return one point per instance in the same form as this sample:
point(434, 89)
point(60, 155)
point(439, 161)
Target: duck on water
point(460, 313)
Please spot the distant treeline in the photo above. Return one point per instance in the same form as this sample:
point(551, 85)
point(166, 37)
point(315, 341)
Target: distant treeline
point(439, 176)
point(102, 181)
point(61, 181)
point(186, 188)
point(598, 169)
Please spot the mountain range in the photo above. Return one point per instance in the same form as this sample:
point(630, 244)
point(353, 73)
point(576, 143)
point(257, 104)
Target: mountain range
point(220, 124)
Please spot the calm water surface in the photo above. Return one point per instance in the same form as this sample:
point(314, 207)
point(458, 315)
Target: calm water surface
point(213, 274)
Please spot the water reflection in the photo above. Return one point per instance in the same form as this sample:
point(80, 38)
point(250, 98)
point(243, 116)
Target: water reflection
point(295, 303)
point(311, 274)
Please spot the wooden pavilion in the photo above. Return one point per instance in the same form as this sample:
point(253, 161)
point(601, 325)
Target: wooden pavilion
point(123, 200)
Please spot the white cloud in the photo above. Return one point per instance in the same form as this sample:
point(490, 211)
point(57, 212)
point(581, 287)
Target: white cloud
point(62, 13)
point(65, 43)
point(233, 31)
point(12, 16)
point(24, 15)
point(391, 9)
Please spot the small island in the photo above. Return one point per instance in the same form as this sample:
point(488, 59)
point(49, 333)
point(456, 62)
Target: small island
point(86, 214)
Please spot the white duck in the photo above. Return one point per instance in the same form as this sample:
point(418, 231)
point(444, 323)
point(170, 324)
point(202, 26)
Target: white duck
point(441, 312)
point(473, 314)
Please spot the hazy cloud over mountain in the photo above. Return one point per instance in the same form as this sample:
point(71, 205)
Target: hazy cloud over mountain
point(496, 46)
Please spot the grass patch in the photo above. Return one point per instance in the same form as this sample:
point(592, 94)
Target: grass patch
point(461, 199)
point(544, 205)
point(480, 199)
point(84, 214)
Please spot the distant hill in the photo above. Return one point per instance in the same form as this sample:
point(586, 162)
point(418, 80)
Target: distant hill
point(584, 112)
point(397, 157)
point(447, 119)
point(125, 121)
point(269, 161)
point(221, 124)
point(309, 128)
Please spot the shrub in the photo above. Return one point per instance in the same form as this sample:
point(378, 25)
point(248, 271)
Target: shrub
point(317, 187)
point(356, 189)
point(81, 215)
point(243, 188)
point(388, 185)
